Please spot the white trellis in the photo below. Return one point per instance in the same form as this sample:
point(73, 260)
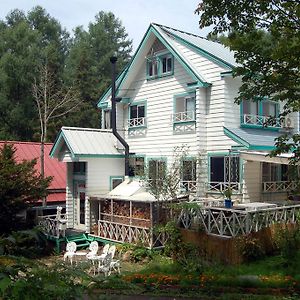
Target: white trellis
point(233, 222)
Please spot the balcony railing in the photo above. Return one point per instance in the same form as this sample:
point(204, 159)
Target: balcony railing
point(215, 186)
point(279, 186)
point(189, 185)
point(259, 120)
point(136, 122)
point(184, 116)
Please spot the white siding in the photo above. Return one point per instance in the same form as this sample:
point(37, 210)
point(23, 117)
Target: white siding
point(69, 196)
point(252, 181)
point(99, 172)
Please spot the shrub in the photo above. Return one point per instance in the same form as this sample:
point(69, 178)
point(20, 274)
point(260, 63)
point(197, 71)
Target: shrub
point(287, 241)
point(251, 248)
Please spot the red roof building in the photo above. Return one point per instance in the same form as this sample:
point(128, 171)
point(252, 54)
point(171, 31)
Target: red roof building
point(53, 167)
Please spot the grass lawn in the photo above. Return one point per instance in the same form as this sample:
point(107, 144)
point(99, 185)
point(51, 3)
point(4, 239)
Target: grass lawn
point(269, 278)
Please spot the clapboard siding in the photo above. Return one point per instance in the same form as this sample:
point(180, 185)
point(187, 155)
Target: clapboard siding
point(99, 172)
point(252, 181)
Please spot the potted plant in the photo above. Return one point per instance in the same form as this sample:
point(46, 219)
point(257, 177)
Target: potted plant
point(227, 197)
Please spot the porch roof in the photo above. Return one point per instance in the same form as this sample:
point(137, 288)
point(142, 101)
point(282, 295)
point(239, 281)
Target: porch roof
point(85, 142)
point(253, 139)
point(264, 157)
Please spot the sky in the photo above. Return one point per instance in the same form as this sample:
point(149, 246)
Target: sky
point(136, 15)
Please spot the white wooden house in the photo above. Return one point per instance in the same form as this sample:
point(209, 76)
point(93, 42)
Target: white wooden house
point(177, 90)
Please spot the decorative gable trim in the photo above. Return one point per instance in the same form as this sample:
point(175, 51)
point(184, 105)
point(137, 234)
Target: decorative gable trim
point(151, 29)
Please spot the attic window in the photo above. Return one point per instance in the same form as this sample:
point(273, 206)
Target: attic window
point(159, 65)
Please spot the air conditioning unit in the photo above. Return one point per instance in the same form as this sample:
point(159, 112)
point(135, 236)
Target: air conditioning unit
point(288, 122)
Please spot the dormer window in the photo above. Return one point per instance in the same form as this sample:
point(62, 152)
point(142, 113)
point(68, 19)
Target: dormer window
point(152, 68)
point(167, 64)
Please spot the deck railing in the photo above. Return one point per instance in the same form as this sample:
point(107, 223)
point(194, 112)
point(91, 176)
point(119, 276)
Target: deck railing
point(215, 186)
point(232, 222)
point(279, 186)
point(124, 233)
point(52, 226)
point(259, 120)
point(189, 185)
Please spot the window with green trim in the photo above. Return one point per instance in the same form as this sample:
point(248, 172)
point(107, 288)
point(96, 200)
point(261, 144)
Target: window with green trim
point(184, 108)
point(136, 166)
point(107, 119)
point(137, 113)
point(115, 181)
point(156, 169)
point(79, 168)
point(188, 174)
point(159, 65)
point(257, 113)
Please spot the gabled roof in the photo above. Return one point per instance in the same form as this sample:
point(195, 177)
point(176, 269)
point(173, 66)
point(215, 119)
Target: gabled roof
point(253, 139)
point(169, 36)
point(86, 142)
point(212, 50)
point(54, 168)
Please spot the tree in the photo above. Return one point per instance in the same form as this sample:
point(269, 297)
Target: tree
point(265, 36)
point(20, 186)
point(88, 61)
point(53, 101)
point(25, 43)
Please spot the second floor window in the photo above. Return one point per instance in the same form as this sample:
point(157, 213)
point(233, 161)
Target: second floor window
point(184, 110)
point(137, 115)
point(257, 113)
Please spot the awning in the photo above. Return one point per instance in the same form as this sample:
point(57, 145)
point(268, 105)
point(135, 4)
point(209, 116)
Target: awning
point(264, 157)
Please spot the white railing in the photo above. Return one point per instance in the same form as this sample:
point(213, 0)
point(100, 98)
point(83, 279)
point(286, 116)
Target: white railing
point(259, 120)
point(279, 186)
point(232, 222)
point(215, 186)
point(53, 227)
point(184, 116)
point(189, 185)
point(135, 122)
point(124, 233)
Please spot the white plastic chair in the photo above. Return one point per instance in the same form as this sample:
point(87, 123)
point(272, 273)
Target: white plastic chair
point(115, 264)
point(104, 252)
point(93, 250)
point(71, 249)
point(104, 265)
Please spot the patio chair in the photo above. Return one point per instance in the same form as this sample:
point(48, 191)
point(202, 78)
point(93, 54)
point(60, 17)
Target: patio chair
point(115, 264)
point(71, 252)
point(93, 248)
point(104, 252)
point(104, 265)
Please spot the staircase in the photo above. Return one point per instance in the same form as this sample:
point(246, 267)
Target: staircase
point(81, 240)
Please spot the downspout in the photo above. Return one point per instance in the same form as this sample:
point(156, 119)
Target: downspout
point(113, 61)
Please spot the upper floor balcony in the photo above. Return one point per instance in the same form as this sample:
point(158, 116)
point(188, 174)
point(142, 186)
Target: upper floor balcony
point(259, 121)
point(183, 116)
point(137, 122)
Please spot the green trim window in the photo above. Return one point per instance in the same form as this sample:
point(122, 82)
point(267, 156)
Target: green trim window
point(115, 181)
point(136, 166)
point(224, 171)
point(255, 114)
point(79, 168)
point(189, 174)
point(156, 170)
point(274, 172)
point(107, 119)
point(159, 65)
point(184, 108)
point(137, 115)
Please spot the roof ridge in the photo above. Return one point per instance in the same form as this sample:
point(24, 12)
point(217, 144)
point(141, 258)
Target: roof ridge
point(86, 129)
point(25, 142)
point(185, 32)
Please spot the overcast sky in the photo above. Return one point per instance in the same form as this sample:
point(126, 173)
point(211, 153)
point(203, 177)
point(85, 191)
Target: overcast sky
point(136, 15)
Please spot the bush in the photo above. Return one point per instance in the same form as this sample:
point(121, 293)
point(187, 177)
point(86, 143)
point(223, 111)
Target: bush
point(287, 241)
point(251, 248)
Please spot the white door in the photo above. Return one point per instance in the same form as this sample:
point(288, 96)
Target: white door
point(80, 205)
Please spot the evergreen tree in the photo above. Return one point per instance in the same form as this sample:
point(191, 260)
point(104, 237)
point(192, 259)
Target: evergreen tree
point(20, 186)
